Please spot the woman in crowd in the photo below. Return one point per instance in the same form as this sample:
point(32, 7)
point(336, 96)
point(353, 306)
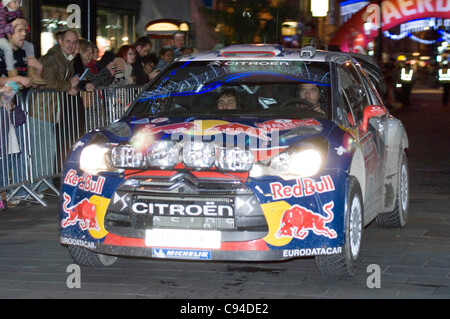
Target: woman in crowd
point(92, 79)
point(126, 56)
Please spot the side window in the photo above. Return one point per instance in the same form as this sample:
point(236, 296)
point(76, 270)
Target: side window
point(354, 93)
point(373, 87)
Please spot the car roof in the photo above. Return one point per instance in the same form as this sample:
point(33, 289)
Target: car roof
point(275, 52)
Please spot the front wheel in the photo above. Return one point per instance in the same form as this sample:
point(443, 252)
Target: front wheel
point(345, 264)
point(87, 258)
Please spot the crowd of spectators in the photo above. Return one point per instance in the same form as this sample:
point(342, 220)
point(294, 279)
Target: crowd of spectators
point(71, 66)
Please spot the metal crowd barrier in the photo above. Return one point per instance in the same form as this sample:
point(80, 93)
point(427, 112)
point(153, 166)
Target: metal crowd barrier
point(54, 122)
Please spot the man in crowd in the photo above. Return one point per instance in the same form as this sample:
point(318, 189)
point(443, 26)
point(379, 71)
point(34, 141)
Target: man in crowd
point(58, 65)
point(178, 43)
point(47, 110)
point(143, 47)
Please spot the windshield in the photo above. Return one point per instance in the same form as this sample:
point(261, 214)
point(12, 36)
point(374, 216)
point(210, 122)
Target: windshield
point(260, 88)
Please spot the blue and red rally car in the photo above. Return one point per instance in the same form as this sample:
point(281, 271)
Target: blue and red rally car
point(251, 153)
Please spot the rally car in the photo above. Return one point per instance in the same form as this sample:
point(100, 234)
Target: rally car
point(299, 162)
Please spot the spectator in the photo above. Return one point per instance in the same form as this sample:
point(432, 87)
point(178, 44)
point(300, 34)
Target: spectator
point(58, 65)
point(80, 63)
point(93, 64)
point(106, 59)
point(44, 121)
point(126, 56)
point(16, 40)
point(165, 57)
point(143, 47)
point(9, 11)
point(11, 161)
point(149, 63)
point(178, 42)
point(185, 50)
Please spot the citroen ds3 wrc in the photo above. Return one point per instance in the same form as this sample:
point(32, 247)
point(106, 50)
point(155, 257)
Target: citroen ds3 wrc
point(301, 159)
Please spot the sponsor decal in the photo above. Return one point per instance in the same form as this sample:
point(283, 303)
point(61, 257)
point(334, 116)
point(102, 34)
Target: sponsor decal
point(77, 242)
point(207, 127)
point(303, 187)
point(286, 124)
point(85, 182)
point(181, 254)
point(209, 209)
point(287, 253)
point(236, 128)
point(298, 221)
point(171, 128)
point(83, 214)
point(243, 63)
point(340, 150)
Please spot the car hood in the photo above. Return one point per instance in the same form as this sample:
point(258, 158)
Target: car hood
point(264, 132)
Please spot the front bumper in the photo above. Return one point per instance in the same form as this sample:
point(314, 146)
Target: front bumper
point(253, 224)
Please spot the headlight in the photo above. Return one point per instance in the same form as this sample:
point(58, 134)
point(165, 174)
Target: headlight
point(305, 163)
point(235, 159)
point(164, 154)
point(93, 158)
point(126, 157)
point(198, 155)
point(290, 165)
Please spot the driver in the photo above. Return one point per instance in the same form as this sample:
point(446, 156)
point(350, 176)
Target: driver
point(311, 93)
point(227, 100)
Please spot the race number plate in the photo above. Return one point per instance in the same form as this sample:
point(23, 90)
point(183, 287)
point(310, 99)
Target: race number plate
point(183, 238)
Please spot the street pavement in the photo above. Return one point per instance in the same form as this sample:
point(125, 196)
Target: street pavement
point(414, 262)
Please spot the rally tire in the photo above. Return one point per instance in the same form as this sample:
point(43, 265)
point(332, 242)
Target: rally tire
point(345, 264)
point(87, 258)
point(398, 217)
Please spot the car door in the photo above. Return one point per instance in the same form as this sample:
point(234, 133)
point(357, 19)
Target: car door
point(356, 98)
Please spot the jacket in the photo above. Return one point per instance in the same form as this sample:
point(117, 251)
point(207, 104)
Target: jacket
point(57, 72)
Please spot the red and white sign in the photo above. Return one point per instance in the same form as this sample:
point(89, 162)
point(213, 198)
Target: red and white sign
point(395, 12)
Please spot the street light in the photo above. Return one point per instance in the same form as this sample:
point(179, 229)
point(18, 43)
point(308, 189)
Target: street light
point(319, 8)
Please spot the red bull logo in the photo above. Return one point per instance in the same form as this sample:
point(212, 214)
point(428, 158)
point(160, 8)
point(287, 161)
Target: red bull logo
point(298, 221)
point(84, 213)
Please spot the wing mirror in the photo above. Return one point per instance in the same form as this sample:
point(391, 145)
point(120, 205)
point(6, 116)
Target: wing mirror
point(369, 112)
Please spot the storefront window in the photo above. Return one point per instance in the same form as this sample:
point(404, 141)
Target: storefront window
point(54, 20)
point(114, 29)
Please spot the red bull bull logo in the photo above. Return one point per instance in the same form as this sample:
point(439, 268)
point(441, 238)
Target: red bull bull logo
point(84, 213)
point(298, 221)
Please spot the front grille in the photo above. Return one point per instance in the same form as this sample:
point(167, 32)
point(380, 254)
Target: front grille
point(183, 201)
